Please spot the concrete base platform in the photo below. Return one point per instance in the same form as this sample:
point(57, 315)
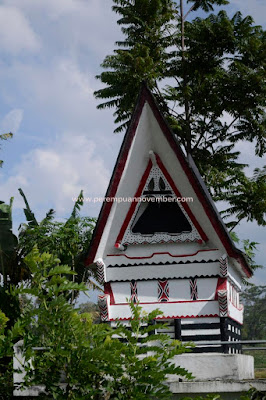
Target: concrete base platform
point(227, 374)
point(214, 366)
point(228, 390)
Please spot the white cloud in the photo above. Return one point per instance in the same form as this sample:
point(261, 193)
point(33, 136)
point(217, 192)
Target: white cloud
point(72, 25)
point(247, 156)
point(57, 86)
point(11, 121)
point(61, 93)
point(52, 176)
point(255, 8)
point(16, 34)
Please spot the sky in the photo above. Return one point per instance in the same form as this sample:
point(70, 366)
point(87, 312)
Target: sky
point(50, 53)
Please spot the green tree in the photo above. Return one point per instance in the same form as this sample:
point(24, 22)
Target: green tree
point(254, 299)
point(93, 364)
point(68, 240)
point(216, 66)
point(5, 371)
point(92, 309)
point(249, 248)
point(148, 27)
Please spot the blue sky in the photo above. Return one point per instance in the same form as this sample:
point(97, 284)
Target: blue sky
point(50, 52)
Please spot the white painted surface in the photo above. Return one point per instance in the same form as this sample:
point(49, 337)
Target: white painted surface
point(147, 291)
point(121, 291)
point(234, 313)
point(162, 271)
point(206, 288)
point(200, 320)
point(18, 361)
point(208, 366)
point(234, 275)
point(187, 332)
point(150, 137)
point(185, 252)
point(18, 377)
point(179, 290)
point(212, 386)
point(174, 310)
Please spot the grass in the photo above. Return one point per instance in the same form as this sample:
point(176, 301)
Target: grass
point(260, 373)
point(259, 362)
point(259, 358)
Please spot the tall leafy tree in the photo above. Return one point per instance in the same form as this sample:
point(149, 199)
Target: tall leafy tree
point(68, 240)
point(148, 29)
point(254, 299)
point(214, 96)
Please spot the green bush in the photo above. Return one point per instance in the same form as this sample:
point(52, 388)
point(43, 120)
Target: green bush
point(86, 356)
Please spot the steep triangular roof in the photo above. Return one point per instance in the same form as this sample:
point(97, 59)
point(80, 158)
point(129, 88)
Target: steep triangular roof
point(189, 169)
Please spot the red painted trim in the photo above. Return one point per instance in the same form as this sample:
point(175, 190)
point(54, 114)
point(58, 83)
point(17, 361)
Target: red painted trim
point(178, 194)
point(174, 317)
point(108, 290)
point(174, 188)
point(221, 285)
point(99, 296)
point(163, 252)
point(134, 204)
point(168, 302)
point(220, 230)
point(115, 179)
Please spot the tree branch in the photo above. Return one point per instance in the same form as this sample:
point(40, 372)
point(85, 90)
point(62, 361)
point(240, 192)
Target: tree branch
point(189, 11)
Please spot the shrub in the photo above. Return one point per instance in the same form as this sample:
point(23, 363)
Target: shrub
point(87, 357)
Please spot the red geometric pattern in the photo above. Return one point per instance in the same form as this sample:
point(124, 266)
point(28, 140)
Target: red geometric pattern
point(134, 291)
point(193, 289)
point(163, 290)
point(100, 271)
point(102, 301)
point(223, 266)
point(223, 303)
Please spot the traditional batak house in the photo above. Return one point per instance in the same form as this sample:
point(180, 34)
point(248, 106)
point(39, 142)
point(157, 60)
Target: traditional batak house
point(160, 240)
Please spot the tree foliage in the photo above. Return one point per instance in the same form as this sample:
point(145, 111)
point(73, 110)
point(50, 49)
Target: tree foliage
point(254, 299)
point(68, 240)
point(147, 26)
point(92, 363)
point(249, 248)
point(214, 94)
point(8, 244)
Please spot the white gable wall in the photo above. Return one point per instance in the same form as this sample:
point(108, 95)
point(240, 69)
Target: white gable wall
point(150, 137)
